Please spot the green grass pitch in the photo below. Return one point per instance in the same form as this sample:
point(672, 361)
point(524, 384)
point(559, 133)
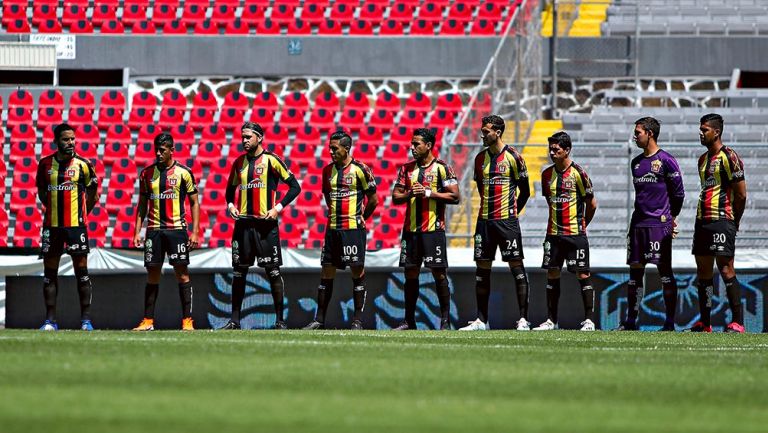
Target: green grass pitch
point(340, 381)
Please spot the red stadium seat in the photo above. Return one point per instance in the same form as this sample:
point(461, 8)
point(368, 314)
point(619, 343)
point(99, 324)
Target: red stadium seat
point(450, 102)
point(322, 119)
point(461, 12)
point(184, 138)
point(144, 99)
point(170, 116)
point(81, 27)
point(48, 117)
point(490, 11)
point(418, 102)
point(114, 99)
point(24, 180)
point(221, 233)
point(401, 12)
point(298, 27)
point(307, 202)
point(358, 101)
point(197, 169)
point(302, 154)
point(312, 13)
point(295, 217)
point(401, 134)
point(453, 27)
point(88, 132)
point(342, 13)
point(268, 27)
point(23, 198)
point(382, 119)
point(217, 181)
point(483, 27)
point(145, 150)
point(23, 131)
point(174, 27)
point(422, 28)
point(12, 12)
point(26, 234)
point(430, 12)
point(73, 13)
point(126, 166)
point(48, 147)
point(213, 198)
point(205, 28)
point(205, 100)
point(384, 236)
point(193, 14)
point(277, 149)
point(144, 28)
point(312, 182)
point(223, 14)
point(372, 13)
point(290, 234)
point(352, 119)
point(253, 14)
point(393, 215)
point(109, 116)
point(199, 118)
point(327, 100)
point(17, 26)
point(113, 27)
point(263, 116)
point(122, 234)
point(231, 119)
point(443, 119)
point(330, 27)
point(123, 180)
point(133, 14)
point(267, 101)
point(163, 14)
point(412, 119)
point(296, 100)
point(277, 135)
point(40, 14)
point(79, 116)
point(21, 99)
point(118, 199)
point(115, 151)
point(148, 132)
point(235, 150)
point(97, 234)
point(387, 101)
point(365, 152)
point(87, 149)
point(282, 14)
point(396, 152)
point(103, 13)
point(391, 28)
point(212, 133)
point(235, 100)
point(316, 235)
point(174, 98)
point(371, 135)
point(139, 117)
point(236, 27)
point(21, 149)
point(292, 118)
point(361, 28)
point(307, 134)
point(50, 26)
point(119, 133)
point(19, 116)
point(50, 98)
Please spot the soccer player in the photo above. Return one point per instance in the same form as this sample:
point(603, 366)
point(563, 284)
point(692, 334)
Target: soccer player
point(68, 188)
point(163, 187)
point(499, 172)
point(568, 191)
point(256, 237)
point(659, 195)
point(721, 205)
point(347, 183)
point(426, 185)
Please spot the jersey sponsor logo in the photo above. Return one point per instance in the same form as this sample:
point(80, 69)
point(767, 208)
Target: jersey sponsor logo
point(167, 194)
point(341, 194)
point(66, 186)
point(564, 198)
point(656, 166)
point(646, 178)
point(496, 181)
point(710, 182)
point(254, 184)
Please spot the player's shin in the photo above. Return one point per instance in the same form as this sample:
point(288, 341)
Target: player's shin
point(553, 298)
point(588, 298)
point(706, 290)
point(358, 296)
point(185, 293)
point(733, 291)
point(483, 292)
point(150, 296)
point(669, 290)
point(239, 275)
point(85, 291)
point(443, 296)
point(50, 291)
point(324, 293)
point(635, 294)
point(411, 297)
point(277, 286)
point(521, 282)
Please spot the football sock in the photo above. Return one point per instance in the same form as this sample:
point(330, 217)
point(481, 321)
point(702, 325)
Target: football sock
point(411, 296)
point(553, 298)
point(483, 292)
point(706, 291)
point(150, 296)
point(85, 290)
point(358, 296)
point(733, 291)
point(277, 285)
point(239, 275)
point(521, 281)
point(444, 297)
point(185, 293)
point(669, 289)
point(634, 294)
point(50, 290)
point(324, 293)
point(588, 298)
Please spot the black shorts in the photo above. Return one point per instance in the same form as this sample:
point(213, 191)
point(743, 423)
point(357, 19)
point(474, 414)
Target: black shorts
point(650, 245)
point(573, 250)
point(429, 247)
point(54, 239)
point(175, 243)
point(256, 241)
point(504, 234)
point(715, 238)
point(343, 248)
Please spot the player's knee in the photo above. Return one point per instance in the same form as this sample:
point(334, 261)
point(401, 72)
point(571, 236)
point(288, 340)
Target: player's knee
point(50, 276)
point(239, 271)
point(81, 274)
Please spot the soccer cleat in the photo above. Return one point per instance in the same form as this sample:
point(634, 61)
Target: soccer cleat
point(49, 325)
point(699, 327)
point(280, 325)
point(627, 326)
point(735, 328)
point(587, 325)
point(313, 325)
point(668, 327)
point(402, 327)
point(445, 325)
point(146, 325)
point(187, 324)
point(86, 325)
point(357, 325)
point(230, 326)
point(546, 326)
point(523, 325)
point(476, 325)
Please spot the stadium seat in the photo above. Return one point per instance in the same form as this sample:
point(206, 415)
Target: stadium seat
point(184, 138)
point(79, 116)
point(148, 132)
point(489, 11)
point(391, 28)
point(371, 135)
point(22, 199)
point(292, 118)
point(387, 101)
point(450, 102)
point(322, 119)
point(50, 98)
point(412, 119)
point(422, 28)
point(87, 149)
point(282, 14)
point(119, 133)
point(88, 132)
point(193, 14)
point(361, 28)
point(133, 14)
point(483, 27)
point(461, 12)
point(14, 12)
point(396, 152)
point(231, 119)
point(296, 100)
point(122, 234)
point(236, 27)
point(50, 26)
point(21, 99)
point(393, 215)
point(263, 116)
point(401, 12)
point(109, 116)
point(307, 202)
point(302, 154)
point(236, 100)
point(295, 217)
point(268, 27)
point(312, 13)
point(22, 149)
point(145, 151)
point(40, 14)
point(23, 131)
point(235, 150)
point(277, 149)
point(26, 234)
point(223, 14)
point(221, 233)
point(216, 181)
point(328, 101)
point(18, 116)
point(213, 134)
point(267, 101)
point(174, 27)
point(315, 235)
point(144, 28)
point(97, 233)
point(307, 134)
point(312, 182)
point(358, 101)
point(443, 119)
point(419, 102)
point(384, 236)
point(205, 28)
point(113, 27)
point(430, 12)
point(126, 167)
point(17, 26)
point(118, 199)
point(197, 169)
point(48, 117)
point(352, 119)
point(48, 147)
point(252, 14)
point(163, 14)
point(342, 13)
point(290, 234)
point(277, 135)
point(82, 99)
point(401, 134)
point(115, 151)
point(81, 27)
point(453, 27)
point(364, 151)
point(113, 99)
point(170, 116)
point(382, 119)
point(144, 99)
point(24, 180)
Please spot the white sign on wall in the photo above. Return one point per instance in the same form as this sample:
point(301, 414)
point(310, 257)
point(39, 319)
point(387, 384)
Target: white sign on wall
point(65, 44)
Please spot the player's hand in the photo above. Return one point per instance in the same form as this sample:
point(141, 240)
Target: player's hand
point(417, 190)
point(137, 241)
point(675, 231)
point(271, 214)
point(233, 212)
point(193, 241)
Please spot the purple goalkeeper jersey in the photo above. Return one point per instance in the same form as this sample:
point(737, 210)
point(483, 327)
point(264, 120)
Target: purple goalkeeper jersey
point(657, 179)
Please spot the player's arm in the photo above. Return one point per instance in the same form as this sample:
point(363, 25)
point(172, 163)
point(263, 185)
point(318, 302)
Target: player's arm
point(400, 195)
point(524, 194)
point(590, 208)
point(449, 195)
point(294, 189)
point(230, 197)
point(371, 203)
point(141, 212)
point(194, 201)
point(42, 187)
point(91, 189)
point(739, 201)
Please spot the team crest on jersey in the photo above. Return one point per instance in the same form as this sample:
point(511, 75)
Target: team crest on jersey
point(501, 167)
point(348, 179)
point(568, 183)
point(71, 172)
point(172, 181)
point(656, 165)
point(259, 170)
point(430, 178)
